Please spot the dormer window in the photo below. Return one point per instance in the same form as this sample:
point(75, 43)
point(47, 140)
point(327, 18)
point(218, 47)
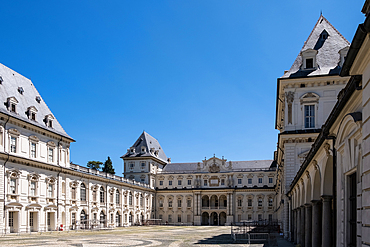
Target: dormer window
point(1, 80)
point(20, 90)
point(132, 150)
point(143, 149)
point(48, 120)
point(11, 104)
point(309, 63)
point(309, 59)
point(38, 99)
point(31, 113)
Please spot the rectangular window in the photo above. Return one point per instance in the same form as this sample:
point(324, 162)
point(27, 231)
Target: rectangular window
point(73, 191)
point(249, 181)
point(33, 188)
point(50, 190)
point(205, 182)
point(13, 144)
point(270, 180)
point(222, 181)
point(260, 180)
point(170, 218)
point(249, 202)
point(170, 204)
point(13, 186)
point(170, 182)
point(352, 210)
point(11, 219)
point(179, 203)
point(309, 63)
point(270, 202)
point(161, 203)
point(309, 116)
point(259, 202)
point(48, 218)
point(188, 218)
point(179, 182)
point(33, 116)
point(31, 218)
point(179, 218)
point(239, 181)
point(117, 197)
point(160, 216)
point(51, 155)
point(188, 203)
point(73, 218)
point(189, 182)
point(239, 202)
point(260, 217)
point(249, 217)
point(33, 150)
point(270, 217)
point(142, 165)
point(161, 183)
point(239, 217)
point(13, 108)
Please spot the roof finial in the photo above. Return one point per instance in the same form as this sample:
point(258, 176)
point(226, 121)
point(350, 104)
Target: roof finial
point(320, 12)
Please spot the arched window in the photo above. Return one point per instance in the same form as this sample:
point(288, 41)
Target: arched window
point(102, 218)
point(83, 192)
point(101, 195)
point(118, 219)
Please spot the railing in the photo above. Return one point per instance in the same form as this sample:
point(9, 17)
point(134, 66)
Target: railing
point(234, 170)
point(107, 175)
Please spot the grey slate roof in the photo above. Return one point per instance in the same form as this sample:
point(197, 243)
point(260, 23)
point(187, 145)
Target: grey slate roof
point(327, 57)
point(236, 166)
point(12, 81)
point(150, 143)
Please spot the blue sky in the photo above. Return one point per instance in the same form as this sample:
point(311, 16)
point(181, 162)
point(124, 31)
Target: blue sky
point(200, 76)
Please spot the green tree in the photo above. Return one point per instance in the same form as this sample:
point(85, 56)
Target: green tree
point(94, 165)
point(108, 167)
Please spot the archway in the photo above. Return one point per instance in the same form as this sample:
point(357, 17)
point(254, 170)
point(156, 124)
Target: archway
point(205, 201)
point(214, 219)
point(214, 201)
point(222, 217)
point(327, 182)
point(83, 219)
point(102, 219)
point(205, 218)
point(223, 201)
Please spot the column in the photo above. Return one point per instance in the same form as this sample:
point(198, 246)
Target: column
point(316, 223)
point(308, 227)
point(290, 214)
point(327, 234)
point(298, 239)
point(302, 225)
point(292, 233)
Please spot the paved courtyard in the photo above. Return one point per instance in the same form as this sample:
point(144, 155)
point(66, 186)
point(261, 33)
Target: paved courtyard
point(132, 236)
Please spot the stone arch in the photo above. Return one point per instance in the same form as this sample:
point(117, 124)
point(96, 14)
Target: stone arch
point(316, 185)
point(205, 201)
point(327, 179)
point(308, 188)
point(303, 193)
point(348, 125)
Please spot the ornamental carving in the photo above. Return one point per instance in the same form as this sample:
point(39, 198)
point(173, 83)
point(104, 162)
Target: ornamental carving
point(214, 167)
point(327, 149)
point(50, 180)
point(33, 177)
point(73, 184)
point(14, 132)
point(34, 138)
point(13, 173)
point(289, 100)
point(308, 174)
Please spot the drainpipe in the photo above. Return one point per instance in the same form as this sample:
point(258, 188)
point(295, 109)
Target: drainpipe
point(333, 138)
point(4, 169)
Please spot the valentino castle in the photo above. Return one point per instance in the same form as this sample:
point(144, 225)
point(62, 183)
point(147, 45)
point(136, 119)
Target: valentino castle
point(317, 186)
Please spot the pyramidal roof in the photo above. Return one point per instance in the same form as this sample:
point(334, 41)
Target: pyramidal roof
point(22, 89)
point(327, 58)
point(151, 145)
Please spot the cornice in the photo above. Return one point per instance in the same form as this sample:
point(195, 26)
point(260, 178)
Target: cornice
point(64, 170)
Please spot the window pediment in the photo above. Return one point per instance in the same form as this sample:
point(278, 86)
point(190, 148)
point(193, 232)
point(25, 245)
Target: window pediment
point(51, 144)
point(13, 173)
point(309, 98)
point(50, 180)
point(14, 132)
point(33, 177)
point(34, 138)
point(73, 184)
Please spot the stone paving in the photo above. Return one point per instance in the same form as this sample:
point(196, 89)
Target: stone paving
point(172, 236)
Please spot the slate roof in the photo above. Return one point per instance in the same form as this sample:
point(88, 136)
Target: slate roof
point(236, 166)
point(11, 83)
point(150, 143)
point(327, 57)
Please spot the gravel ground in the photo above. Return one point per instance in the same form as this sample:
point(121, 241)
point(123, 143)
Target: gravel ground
point(131, 236)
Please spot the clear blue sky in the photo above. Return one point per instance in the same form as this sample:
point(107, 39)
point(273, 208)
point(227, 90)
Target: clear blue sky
point(200, 76)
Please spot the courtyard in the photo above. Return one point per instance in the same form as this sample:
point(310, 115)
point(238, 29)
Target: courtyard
point(133, 236)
